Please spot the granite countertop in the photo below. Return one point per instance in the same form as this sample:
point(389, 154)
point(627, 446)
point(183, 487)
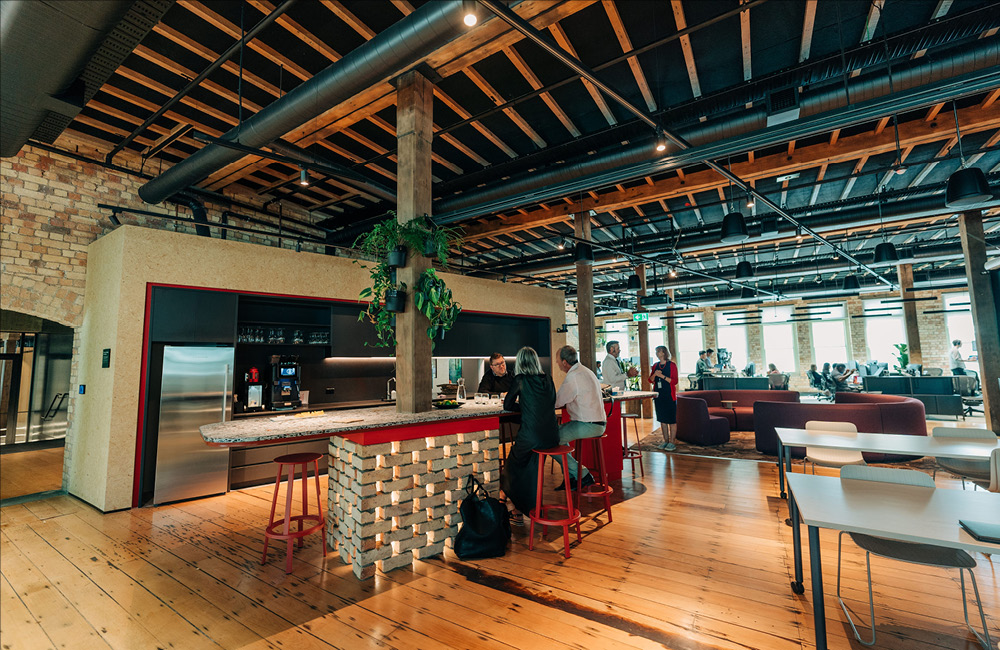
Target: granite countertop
point(254, 430)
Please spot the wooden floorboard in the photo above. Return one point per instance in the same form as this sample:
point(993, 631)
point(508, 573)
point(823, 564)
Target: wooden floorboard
point(28, 472)
point(697, 558)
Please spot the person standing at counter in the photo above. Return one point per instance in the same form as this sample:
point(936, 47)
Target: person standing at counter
point(496, 379)
point(534, 395)
point(612, 370)
point(580, 395)
point(704, 366)
point(955, 360)
point(664, 380)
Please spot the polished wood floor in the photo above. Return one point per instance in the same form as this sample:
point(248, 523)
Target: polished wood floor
point(697, 558)
point(28, 472)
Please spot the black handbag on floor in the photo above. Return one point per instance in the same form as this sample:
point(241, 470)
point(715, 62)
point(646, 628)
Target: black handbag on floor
point(485, 526)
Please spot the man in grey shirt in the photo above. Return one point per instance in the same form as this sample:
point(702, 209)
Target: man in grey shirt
point(612, 370)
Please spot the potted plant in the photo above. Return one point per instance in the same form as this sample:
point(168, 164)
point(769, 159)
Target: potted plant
point(902, 357)
point(429, 239)
point(433, 299)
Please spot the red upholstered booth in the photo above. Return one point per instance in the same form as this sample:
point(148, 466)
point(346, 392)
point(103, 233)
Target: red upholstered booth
point(870, 413)
point(740, 418)
point(696, 426)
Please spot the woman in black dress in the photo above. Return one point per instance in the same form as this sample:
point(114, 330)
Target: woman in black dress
point(534, 395)
point(663, 377)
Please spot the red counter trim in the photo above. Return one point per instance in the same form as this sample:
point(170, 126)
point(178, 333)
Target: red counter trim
point(388, 434)
point(139, 425)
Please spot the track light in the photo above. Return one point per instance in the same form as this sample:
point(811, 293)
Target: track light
point(673, 273)
point(469, 8)
point(303, 177)
point(750, 201)
point(798, 234)
point(661, 141)
point(561, 243)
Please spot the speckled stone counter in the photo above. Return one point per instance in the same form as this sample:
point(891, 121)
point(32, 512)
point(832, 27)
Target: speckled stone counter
point(395, 479)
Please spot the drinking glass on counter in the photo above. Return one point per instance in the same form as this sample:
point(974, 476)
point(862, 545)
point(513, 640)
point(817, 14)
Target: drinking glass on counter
point(495, 400)
point(480, 398)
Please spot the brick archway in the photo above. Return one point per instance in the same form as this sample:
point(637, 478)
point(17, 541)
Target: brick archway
point(35, 297)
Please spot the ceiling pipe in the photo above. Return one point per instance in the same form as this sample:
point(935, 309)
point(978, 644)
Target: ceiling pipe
point(198, 215)
point(389, 53)
point(194, 83)
point(577, 66)
point(830, 219)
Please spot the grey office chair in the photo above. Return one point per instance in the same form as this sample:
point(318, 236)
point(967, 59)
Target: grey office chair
point(994, 483)
point(973, 470)
point(934, 372)
point(692, 382)
point(927, 554)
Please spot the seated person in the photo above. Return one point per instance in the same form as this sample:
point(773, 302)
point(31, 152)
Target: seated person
point(815, 379)
point(840, 376)
point(496, 379)
point(534, 395)
point(773, 369)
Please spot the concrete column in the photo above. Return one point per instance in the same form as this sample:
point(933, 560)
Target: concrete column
point(585, 297)
point(984, 313)
point(414, 121)
point(905, 273)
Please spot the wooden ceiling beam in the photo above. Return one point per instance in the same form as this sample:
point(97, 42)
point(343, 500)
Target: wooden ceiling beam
point(745, 42)
point(352, 21)
point(563, 41)
point(464, 114)
point(494, 96)
point(172, 66)
point(626, 44)
point(535, 84)
point(808, 23)
point(167, 91)
point(692, 70)
point(874, 15)
point(861, 146)
point(297, 30)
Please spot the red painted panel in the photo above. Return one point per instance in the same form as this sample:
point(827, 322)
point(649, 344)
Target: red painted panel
point(611, 444)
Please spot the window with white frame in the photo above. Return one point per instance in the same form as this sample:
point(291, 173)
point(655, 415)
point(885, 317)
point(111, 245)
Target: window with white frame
point(733, 337)
point(884, 328)
point(779, 338)
point(829, 334)
point(656, 335)
point(690, 341)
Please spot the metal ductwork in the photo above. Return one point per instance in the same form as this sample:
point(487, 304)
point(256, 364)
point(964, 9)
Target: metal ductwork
point(54, 56)
point(828, 219)
point(197, 215)
point(389, 53)
point(974, 67)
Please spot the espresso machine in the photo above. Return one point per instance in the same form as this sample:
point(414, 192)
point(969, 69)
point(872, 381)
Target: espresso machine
point(253, 391)
point(285, 380)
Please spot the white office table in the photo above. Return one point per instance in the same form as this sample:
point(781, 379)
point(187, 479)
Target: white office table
point(886, 443)
point(903, 512)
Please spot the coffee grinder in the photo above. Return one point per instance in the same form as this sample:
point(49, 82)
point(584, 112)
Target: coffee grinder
point(285, 379)
point(253, 398)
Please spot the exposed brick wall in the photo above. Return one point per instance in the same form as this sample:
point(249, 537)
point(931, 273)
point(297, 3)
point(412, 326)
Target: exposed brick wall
point(395, 502)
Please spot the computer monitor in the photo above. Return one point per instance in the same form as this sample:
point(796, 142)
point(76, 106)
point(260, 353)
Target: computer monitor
point(750, 370)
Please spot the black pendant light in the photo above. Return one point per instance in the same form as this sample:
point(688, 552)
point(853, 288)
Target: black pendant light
point(967, 186)
point(885, 252)
point(634, 283)
point(851, 283)
point(747, 293)
point(584, 253)
point(744, 270)
point(734, 228)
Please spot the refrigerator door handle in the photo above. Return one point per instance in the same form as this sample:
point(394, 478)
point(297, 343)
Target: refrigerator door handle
point(225, 391)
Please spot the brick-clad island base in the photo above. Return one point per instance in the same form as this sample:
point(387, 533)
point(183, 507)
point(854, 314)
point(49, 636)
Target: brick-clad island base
point(391, 502)
point(395, 479)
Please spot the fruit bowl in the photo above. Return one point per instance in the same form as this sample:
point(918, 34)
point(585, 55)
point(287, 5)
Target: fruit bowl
point(446, 404)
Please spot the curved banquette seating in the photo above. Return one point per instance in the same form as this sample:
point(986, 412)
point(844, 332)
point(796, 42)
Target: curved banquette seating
point(870, 413)
point(702, 419)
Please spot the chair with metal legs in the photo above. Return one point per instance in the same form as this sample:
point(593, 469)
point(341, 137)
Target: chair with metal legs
point(831, 457)
point(973, 470)
point(927, 554)
point(993, 485)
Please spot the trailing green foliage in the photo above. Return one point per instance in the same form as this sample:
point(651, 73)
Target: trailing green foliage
point(422, 237)
point(902, 357)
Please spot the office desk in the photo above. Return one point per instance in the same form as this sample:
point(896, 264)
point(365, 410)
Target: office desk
point(892, 443)
point(903, 512)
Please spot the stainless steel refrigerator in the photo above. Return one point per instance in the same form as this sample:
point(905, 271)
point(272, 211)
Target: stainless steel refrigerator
point(196, 389)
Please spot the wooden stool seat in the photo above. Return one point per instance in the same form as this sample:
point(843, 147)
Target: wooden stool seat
point(627, 452)
point(540, 514)
point(282, 528)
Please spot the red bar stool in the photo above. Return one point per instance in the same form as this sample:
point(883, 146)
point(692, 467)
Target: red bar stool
point(600, 488)
point(627, 452)
point(540, 513)
point(295, 462)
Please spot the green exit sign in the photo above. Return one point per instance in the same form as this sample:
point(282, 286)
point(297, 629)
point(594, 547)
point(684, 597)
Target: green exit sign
point(639, 317)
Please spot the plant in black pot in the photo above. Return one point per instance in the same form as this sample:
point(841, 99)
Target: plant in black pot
point(422, 234)
point(433, 299)
point(386, 297)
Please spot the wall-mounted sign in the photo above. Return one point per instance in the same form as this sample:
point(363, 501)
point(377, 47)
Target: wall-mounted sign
point(106, 358)
point(640, 316)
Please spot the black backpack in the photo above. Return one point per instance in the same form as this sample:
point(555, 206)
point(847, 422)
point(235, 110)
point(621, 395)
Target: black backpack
point(485, 527)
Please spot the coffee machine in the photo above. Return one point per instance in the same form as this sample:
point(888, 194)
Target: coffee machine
point(253, 387)
point(285, 380)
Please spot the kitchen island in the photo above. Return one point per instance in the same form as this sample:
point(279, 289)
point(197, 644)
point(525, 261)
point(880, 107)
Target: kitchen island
point(395, 479)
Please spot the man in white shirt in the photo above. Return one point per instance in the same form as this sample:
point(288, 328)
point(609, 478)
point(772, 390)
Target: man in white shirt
point(612, 370)
point(955, 356)
point(580, 395)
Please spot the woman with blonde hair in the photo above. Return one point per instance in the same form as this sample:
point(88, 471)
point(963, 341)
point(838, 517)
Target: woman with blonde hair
point(534, 395)
point(664, 380)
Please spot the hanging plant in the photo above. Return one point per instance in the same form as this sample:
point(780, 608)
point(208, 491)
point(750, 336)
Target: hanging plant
point(433, 299)
point(387, 243)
